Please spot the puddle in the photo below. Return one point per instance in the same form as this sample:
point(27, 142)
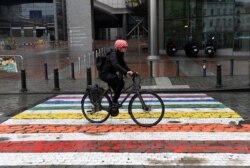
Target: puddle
point(4, 139)
point(191, 161)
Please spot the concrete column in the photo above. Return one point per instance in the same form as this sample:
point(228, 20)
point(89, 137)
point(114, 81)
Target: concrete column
point(79, 19)
point(124, 26)
point(55, 20)
point(64, 20)
point(34, 31)
point(22, 32)
point(161, 33)
point(153, 36)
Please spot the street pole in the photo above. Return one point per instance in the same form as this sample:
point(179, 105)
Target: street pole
point(153, 35)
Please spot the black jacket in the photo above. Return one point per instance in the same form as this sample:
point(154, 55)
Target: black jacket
point(114, 63)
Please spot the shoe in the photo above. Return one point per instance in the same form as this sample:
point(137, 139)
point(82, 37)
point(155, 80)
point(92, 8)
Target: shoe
point(116, 105)
point(114, 111)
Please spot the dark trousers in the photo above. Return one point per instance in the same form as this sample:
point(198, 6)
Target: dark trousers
point(117, 85)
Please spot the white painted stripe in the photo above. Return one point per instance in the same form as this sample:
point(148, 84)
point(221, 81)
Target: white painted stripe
point(167, 110)
point(188, 136)
point(58, 105)
point(146, 98)
point(98, 158)
point(76, 95)
point(160, 94)
point(164, 99)
point(186, 98)
point(61, 100)
point(80, 112)
point(198, 110)
point(181, 94)
point(126, 103)
point(72, 111)
point(120, 121)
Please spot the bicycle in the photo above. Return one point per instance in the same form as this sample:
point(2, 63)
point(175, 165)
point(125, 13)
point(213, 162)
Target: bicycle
point(145, 108)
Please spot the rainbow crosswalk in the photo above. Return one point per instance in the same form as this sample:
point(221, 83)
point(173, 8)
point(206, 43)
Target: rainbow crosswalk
point(196, 130)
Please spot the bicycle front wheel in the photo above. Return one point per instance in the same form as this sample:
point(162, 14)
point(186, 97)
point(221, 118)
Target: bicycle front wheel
point(148, 110)
point(94, 112)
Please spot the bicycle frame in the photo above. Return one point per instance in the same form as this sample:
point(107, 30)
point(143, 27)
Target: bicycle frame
point(102, 102)
point(133, 89)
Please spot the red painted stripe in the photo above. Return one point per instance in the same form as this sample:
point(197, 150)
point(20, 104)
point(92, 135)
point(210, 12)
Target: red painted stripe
point(210, 127)
point(146, 146)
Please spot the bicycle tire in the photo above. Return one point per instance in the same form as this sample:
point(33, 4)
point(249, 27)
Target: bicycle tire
point(93, 113)
point(151, 116)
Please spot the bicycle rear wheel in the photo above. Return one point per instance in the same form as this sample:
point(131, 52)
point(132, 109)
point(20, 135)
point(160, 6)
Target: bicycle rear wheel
point(149, 115)
point(94, 112)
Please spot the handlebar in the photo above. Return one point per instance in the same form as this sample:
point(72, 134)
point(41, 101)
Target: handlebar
point(136, 78)
point(134, 74)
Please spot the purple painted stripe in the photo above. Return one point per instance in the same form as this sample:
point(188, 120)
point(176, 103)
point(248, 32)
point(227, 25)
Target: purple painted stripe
point(174, 96)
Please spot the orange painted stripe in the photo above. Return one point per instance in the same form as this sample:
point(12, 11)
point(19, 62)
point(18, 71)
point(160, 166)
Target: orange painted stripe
point(39, 128)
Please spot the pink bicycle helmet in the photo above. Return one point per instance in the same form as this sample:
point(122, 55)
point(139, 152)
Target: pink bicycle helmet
point(120, 44)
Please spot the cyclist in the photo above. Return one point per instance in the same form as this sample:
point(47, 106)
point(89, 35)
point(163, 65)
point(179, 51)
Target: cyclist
point(115, 63)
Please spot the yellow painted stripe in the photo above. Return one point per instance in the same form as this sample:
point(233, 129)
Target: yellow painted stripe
point(126, 115)
point(187, 110)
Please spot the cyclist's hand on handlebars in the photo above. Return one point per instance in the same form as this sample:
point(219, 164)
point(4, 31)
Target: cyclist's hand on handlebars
point(130, 73)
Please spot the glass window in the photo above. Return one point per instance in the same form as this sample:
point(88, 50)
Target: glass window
point(199, 21)
point(211, 23)
point(241, 24)
point(230, 22)
point(204, 12)
point(28, 33)
point(225, 11)
point(217, 21)
point(218, 11)
point(25, 13)
point(16, 32)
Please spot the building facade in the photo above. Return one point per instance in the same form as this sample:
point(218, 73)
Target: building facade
point(26, 18)
point(226, 21)
point(79, 23)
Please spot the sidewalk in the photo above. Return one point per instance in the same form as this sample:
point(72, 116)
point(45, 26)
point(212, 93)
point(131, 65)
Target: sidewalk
point(165, 79)
point(161, 84)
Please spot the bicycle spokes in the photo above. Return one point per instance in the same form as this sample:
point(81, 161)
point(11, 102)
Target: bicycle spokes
point(147, 109)
point(94, 112)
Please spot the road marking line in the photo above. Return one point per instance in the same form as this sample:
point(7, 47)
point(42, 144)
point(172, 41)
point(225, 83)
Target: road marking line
point(133, 159)
point(123, 136)
point(121, 121)
point(167, 110)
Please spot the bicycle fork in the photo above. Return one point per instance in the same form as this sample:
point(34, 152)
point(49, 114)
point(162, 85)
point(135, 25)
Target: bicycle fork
point(144, 106)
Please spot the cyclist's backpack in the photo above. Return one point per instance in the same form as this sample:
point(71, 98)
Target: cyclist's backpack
point(102, 59)
point(95, 92)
